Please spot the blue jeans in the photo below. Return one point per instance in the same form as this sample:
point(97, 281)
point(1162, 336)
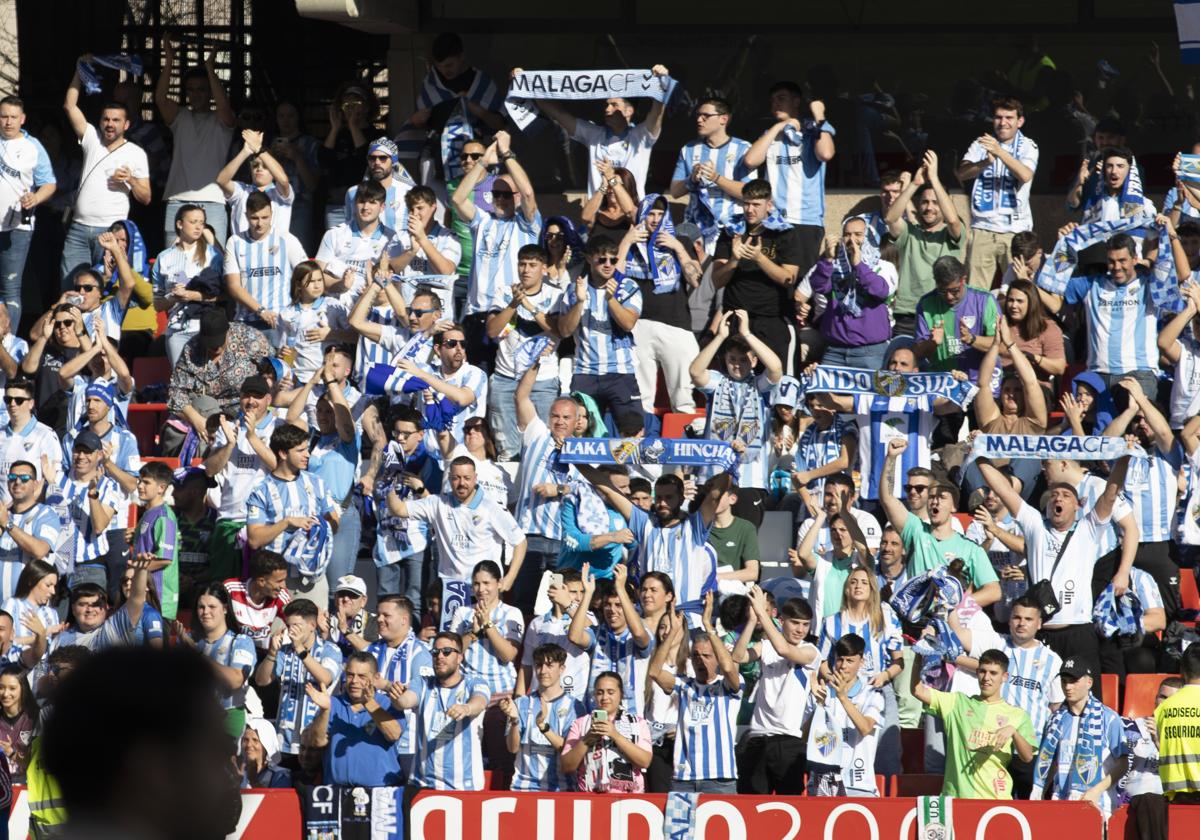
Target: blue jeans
point(214, 214)
point(345, 545)
point(502, 412)
point(79, 248)
point(721, 786)
point(14, 248)
point(868, 357)
point(403, 578)
point(178, 339)
point(887, 756)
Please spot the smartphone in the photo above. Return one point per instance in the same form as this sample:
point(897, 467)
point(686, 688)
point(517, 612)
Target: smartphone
point(599, 715)
point(556, 579)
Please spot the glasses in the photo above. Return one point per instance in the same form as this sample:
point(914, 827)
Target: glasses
point(64, 324)
point(444, 651)
point(402, 434)
point(90, 605)
point(556, 236)
point(472, 155)
point(23, 479)
point(916, 488)
point(378, 157)
point(420, 312)
point(15, 400)
point(454, 342)
point(706, 115)
point(473, 427)
point(502, 194)
point(86, 287)
point(606, 260)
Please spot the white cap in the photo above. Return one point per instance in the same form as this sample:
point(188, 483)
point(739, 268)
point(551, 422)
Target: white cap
point(350, 583)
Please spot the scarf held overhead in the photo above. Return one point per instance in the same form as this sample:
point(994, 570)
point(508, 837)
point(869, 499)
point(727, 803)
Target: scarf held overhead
point(1056, 271)
point(529, 85)
point(834, 379)
point(1051, 447)
point(669, 451)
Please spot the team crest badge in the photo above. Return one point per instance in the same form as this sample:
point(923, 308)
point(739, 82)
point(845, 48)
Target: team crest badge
point(889, 383)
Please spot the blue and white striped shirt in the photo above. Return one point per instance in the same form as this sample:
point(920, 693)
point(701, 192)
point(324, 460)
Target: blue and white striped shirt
point(480, 658)
point(448, 753)
point(1091, 488)
point(707, 730)
point(296, 709)
point(1121, 329)
point(494, 266)
point(395, 211)
point(681, 550)
point(26, 167)
point(265, 267)
point(1150, 483)
point(19, 608)
point(539, 465)
point(537, 766)
point(1032, 683)
point(90, 545)
point(818, 447)
point(729, 161)
point(233, 650)
point(345, 247)
point(911, 417)
point(621, 653)
point(273, 499)
point(600, 346)
point(797, 175)
point(403, 664)
point(878, 655)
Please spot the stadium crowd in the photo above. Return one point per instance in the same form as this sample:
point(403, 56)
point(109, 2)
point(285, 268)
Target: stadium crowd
point(408, 390)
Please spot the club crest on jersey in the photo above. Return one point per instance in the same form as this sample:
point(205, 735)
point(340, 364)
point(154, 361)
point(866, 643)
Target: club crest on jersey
point(889, 383)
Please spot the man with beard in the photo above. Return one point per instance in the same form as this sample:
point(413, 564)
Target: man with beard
point(384, 168)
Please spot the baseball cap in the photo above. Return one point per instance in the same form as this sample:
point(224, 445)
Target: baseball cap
point(350, 583)
point(1074, 668)
point(214, 326)
point(88, 441)
point(255, 386)
point(88, 573)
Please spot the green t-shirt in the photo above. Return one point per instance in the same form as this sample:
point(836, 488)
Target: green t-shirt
point(977, 308)
point(919, 250)
point(926, 553)
point(158, 534)
point(974, 768)
point(734, 544)
point(462, 232)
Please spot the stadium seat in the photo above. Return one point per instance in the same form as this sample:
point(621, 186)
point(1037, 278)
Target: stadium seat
point(173, 463)
point(1140, 691)
point(1110, 690)
point(912, 750)
point(145, 419)
point(918, 784)
point(775, 537)
point(151, 370)
point(1189, 593)
point(673, 423)
point(883, 784)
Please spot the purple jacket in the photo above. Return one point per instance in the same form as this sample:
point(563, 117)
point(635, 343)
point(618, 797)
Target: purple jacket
point(838, 324)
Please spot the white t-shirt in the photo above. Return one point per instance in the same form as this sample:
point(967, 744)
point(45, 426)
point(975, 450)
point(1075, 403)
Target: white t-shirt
point(492, 479)
point(1005, 218)
point(201, 150)
point(466, 533)
point(1185, 391)
point(1072, 580)
point(522, 327)
point(97, 205)
point(242, 471)
point(629, 150)
point(867, 523)
point(781, 694)
point(281, 207)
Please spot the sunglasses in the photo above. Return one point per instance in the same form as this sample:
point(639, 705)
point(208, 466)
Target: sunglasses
point(15, 400)
point(454, 342)
point(704, 116)
point(378, 157)
point(23, 479)
point(86, 287)
point(606, 260)
point(556, 236)
point(472, 155)
point(502, 193)
point(64, 323)
point(420, 312)
point(916, 488)
point(444, 651)
point(400, 434)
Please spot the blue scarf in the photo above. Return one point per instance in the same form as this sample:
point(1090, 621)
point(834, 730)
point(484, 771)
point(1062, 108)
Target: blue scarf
point(454, 136)
point(1189, 168)
point(995, 189)
point(661, 262)
point(1057, 270)
point(1113, 616)
point(387, 379)
point(590, 510)
point(929, 593)
point(90, 77)
point(669, 451)
point(1077, 773)
point(1051, 447)
point(574, 240)
point(835, 379)
point(528, 353)
point(1164, 281)
point(774, 221)
point(1131, 199)
point(943, 646)
point(844, 278)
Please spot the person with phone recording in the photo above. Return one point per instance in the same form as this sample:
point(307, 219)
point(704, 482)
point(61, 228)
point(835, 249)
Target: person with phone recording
point(608, 750)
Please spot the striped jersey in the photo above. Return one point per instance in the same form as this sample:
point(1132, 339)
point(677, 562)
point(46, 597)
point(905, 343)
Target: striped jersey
point(1146, 589)
point(681, 550)
point(817, 447)
point(1121, 329)
point(18, 348)
point(740, 410)
point(281, 206)
point(403, 664)
point(233, 650)
point(728, 159)
point(24, 167)
point(539, 464)
point(346, 247)
point(19, 608)
point(600, 346)
point(28, 444)
point(265, 266)
point(1175, 201)
point(880, 646)
point(494, 266)
point(537, 766)
point(550, 629)
point(797, 175)
point(382, 352)
point(1091, 488)
point(111, 313)
point(879, 420)
point(243, 469)
point(296, 709)
point(1033, 683)
point(1151, 485)
point(395, 211)
point(273, 499)
point(620, 652)
point(480, 660)
point(72, 498)
point(707, 729)
point(40, 521)
point(174, 266)
point(448, 753)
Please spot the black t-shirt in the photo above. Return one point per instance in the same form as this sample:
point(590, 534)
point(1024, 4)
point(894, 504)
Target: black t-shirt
point(670, 308)
point(752, 290)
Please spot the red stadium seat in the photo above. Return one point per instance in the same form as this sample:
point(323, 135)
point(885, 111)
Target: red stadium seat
point(1140, 691)
point(673, 423)
point(145, 419)
point(918, 784)
point(912, 750)
point(151, 370)
point(883, 784)
point(1110, 690)
point(173, 463)
point(1189, 593)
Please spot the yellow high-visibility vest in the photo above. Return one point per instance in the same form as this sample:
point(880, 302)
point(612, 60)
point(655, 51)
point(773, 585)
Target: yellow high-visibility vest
point(1177, 720)
point(46, 807)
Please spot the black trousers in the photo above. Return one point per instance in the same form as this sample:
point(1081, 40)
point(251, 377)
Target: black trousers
point(481, 350)
point(1077, 641)
point(1155, 559)
point(1022, 776)
point(779, 333)
point(662, 766)
point(772, 764)
point(1147, 817)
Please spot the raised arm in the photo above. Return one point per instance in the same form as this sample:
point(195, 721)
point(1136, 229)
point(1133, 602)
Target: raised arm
point(698, 370)
point(577, 632)
point(1001, 486)
point(654, 117)
point(894, 217)
point(986, 410)
point(725, 664)
point(463, 200)
point(796, 655)
point(75, 116)
point(656, 670)
point(167, 106)
point(1168, 336)
point(359, 316)
point(1112, 488)
point(633, 618)
point(896, 512)
point(949, 213)
point(517, 173)
point(1164, 438)
point(756, 156)
point(220, 99)
point(1035, 398)
point(526, 411)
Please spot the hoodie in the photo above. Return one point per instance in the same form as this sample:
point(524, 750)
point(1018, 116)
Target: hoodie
point(1102, 409)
